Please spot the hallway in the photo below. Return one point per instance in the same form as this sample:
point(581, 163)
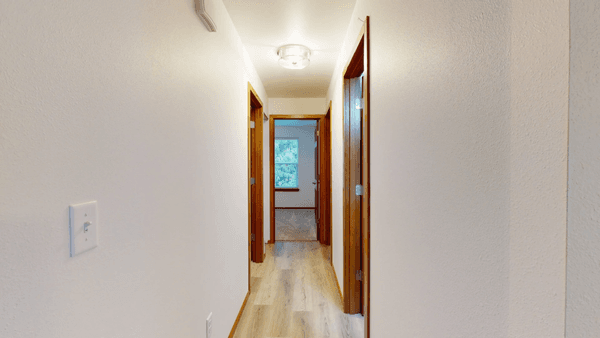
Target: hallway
point(294, 294)
point(483, 180)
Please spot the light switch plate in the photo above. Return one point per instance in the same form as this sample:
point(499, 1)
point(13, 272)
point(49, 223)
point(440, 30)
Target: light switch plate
point(83, 226)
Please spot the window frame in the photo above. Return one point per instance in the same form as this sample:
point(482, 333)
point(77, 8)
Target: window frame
point(297, 187)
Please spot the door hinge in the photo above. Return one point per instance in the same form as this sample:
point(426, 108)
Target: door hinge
point(359, 275)
point(359, 103)
point(317, 133)
point(252, 124)
point(360, 190)
point(253, 237)
point(252, 181)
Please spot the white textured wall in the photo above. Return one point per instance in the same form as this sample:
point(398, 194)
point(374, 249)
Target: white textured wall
point(468, 148)
point(133, 104)
point(539, 73)
point(583, 263)
point(299, 106)
point(306, 168)
point(337, 177)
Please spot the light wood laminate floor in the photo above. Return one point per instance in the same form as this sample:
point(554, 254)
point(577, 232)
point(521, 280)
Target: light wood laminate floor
point(294, 294)
point(295, 225)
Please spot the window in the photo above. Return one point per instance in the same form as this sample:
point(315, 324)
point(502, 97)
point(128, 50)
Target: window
point(286, 163)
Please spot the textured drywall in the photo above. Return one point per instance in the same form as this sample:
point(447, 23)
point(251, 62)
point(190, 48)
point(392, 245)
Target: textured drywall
point(539, 71)
point(337, 180)
point(311, 106)
point(468, 148)
point(306, 168)
point(583, 262)
point(439, 167)
point(134, 104)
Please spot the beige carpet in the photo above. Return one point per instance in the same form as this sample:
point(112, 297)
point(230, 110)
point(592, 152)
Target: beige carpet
point(295, 225)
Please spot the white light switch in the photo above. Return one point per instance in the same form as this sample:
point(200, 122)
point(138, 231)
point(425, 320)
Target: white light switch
point(83, 226)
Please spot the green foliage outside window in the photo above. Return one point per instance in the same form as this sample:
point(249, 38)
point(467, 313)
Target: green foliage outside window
point(286, 163)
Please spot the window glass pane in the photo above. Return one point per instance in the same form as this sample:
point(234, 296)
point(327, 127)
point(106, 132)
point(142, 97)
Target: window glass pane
point(286, 163)
point(286, 176)
point(286, 151)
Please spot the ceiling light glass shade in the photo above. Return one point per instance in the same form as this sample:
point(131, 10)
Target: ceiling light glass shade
point(294, 56)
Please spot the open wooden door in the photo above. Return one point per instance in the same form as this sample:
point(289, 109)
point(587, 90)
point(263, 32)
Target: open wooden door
point(317, 183)
point(255, 173)
point(356, 181)
point(353, 190)
point(325, 177)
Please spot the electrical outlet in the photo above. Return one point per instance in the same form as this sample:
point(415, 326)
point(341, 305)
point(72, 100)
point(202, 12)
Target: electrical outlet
point(209, 326)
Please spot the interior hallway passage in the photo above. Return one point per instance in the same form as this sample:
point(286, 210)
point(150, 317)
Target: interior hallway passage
point(294, 294)
point(295, 225)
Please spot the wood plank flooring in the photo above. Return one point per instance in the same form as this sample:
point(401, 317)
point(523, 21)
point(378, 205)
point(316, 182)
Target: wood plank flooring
point(294, 294)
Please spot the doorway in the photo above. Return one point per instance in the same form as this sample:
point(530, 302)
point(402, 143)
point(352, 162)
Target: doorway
point(303, 189)
point(255, 179)
point(356, 180)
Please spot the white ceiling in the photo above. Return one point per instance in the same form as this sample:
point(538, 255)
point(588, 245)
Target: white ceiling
point(266, 25)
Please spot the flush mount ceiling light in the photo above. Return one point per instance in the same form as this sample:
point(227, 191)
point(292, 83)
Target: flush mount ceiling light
point(294, 56)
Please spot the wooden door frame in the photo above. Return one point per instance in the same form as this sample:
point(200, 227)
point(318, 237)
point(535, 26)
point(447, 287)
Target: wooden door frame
point(326, 207)
point(358, 64)
point(255, 112)
point(325, 162)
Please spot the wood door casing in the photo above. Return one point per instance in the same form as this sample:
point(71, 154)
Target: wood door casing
point(252, 189)
point(317, 183)
point(325, 191)
point(366, 177)
point(325, 167)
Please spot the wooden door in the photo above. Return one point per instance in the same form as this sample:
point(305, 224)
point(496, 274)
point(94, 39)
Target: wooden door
point(325, 178)
point(354, 186)
point(257, 187)
point(317, 182)
point(253, 163)
point(363, 184)
point(354, 199)
point(255, 184)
